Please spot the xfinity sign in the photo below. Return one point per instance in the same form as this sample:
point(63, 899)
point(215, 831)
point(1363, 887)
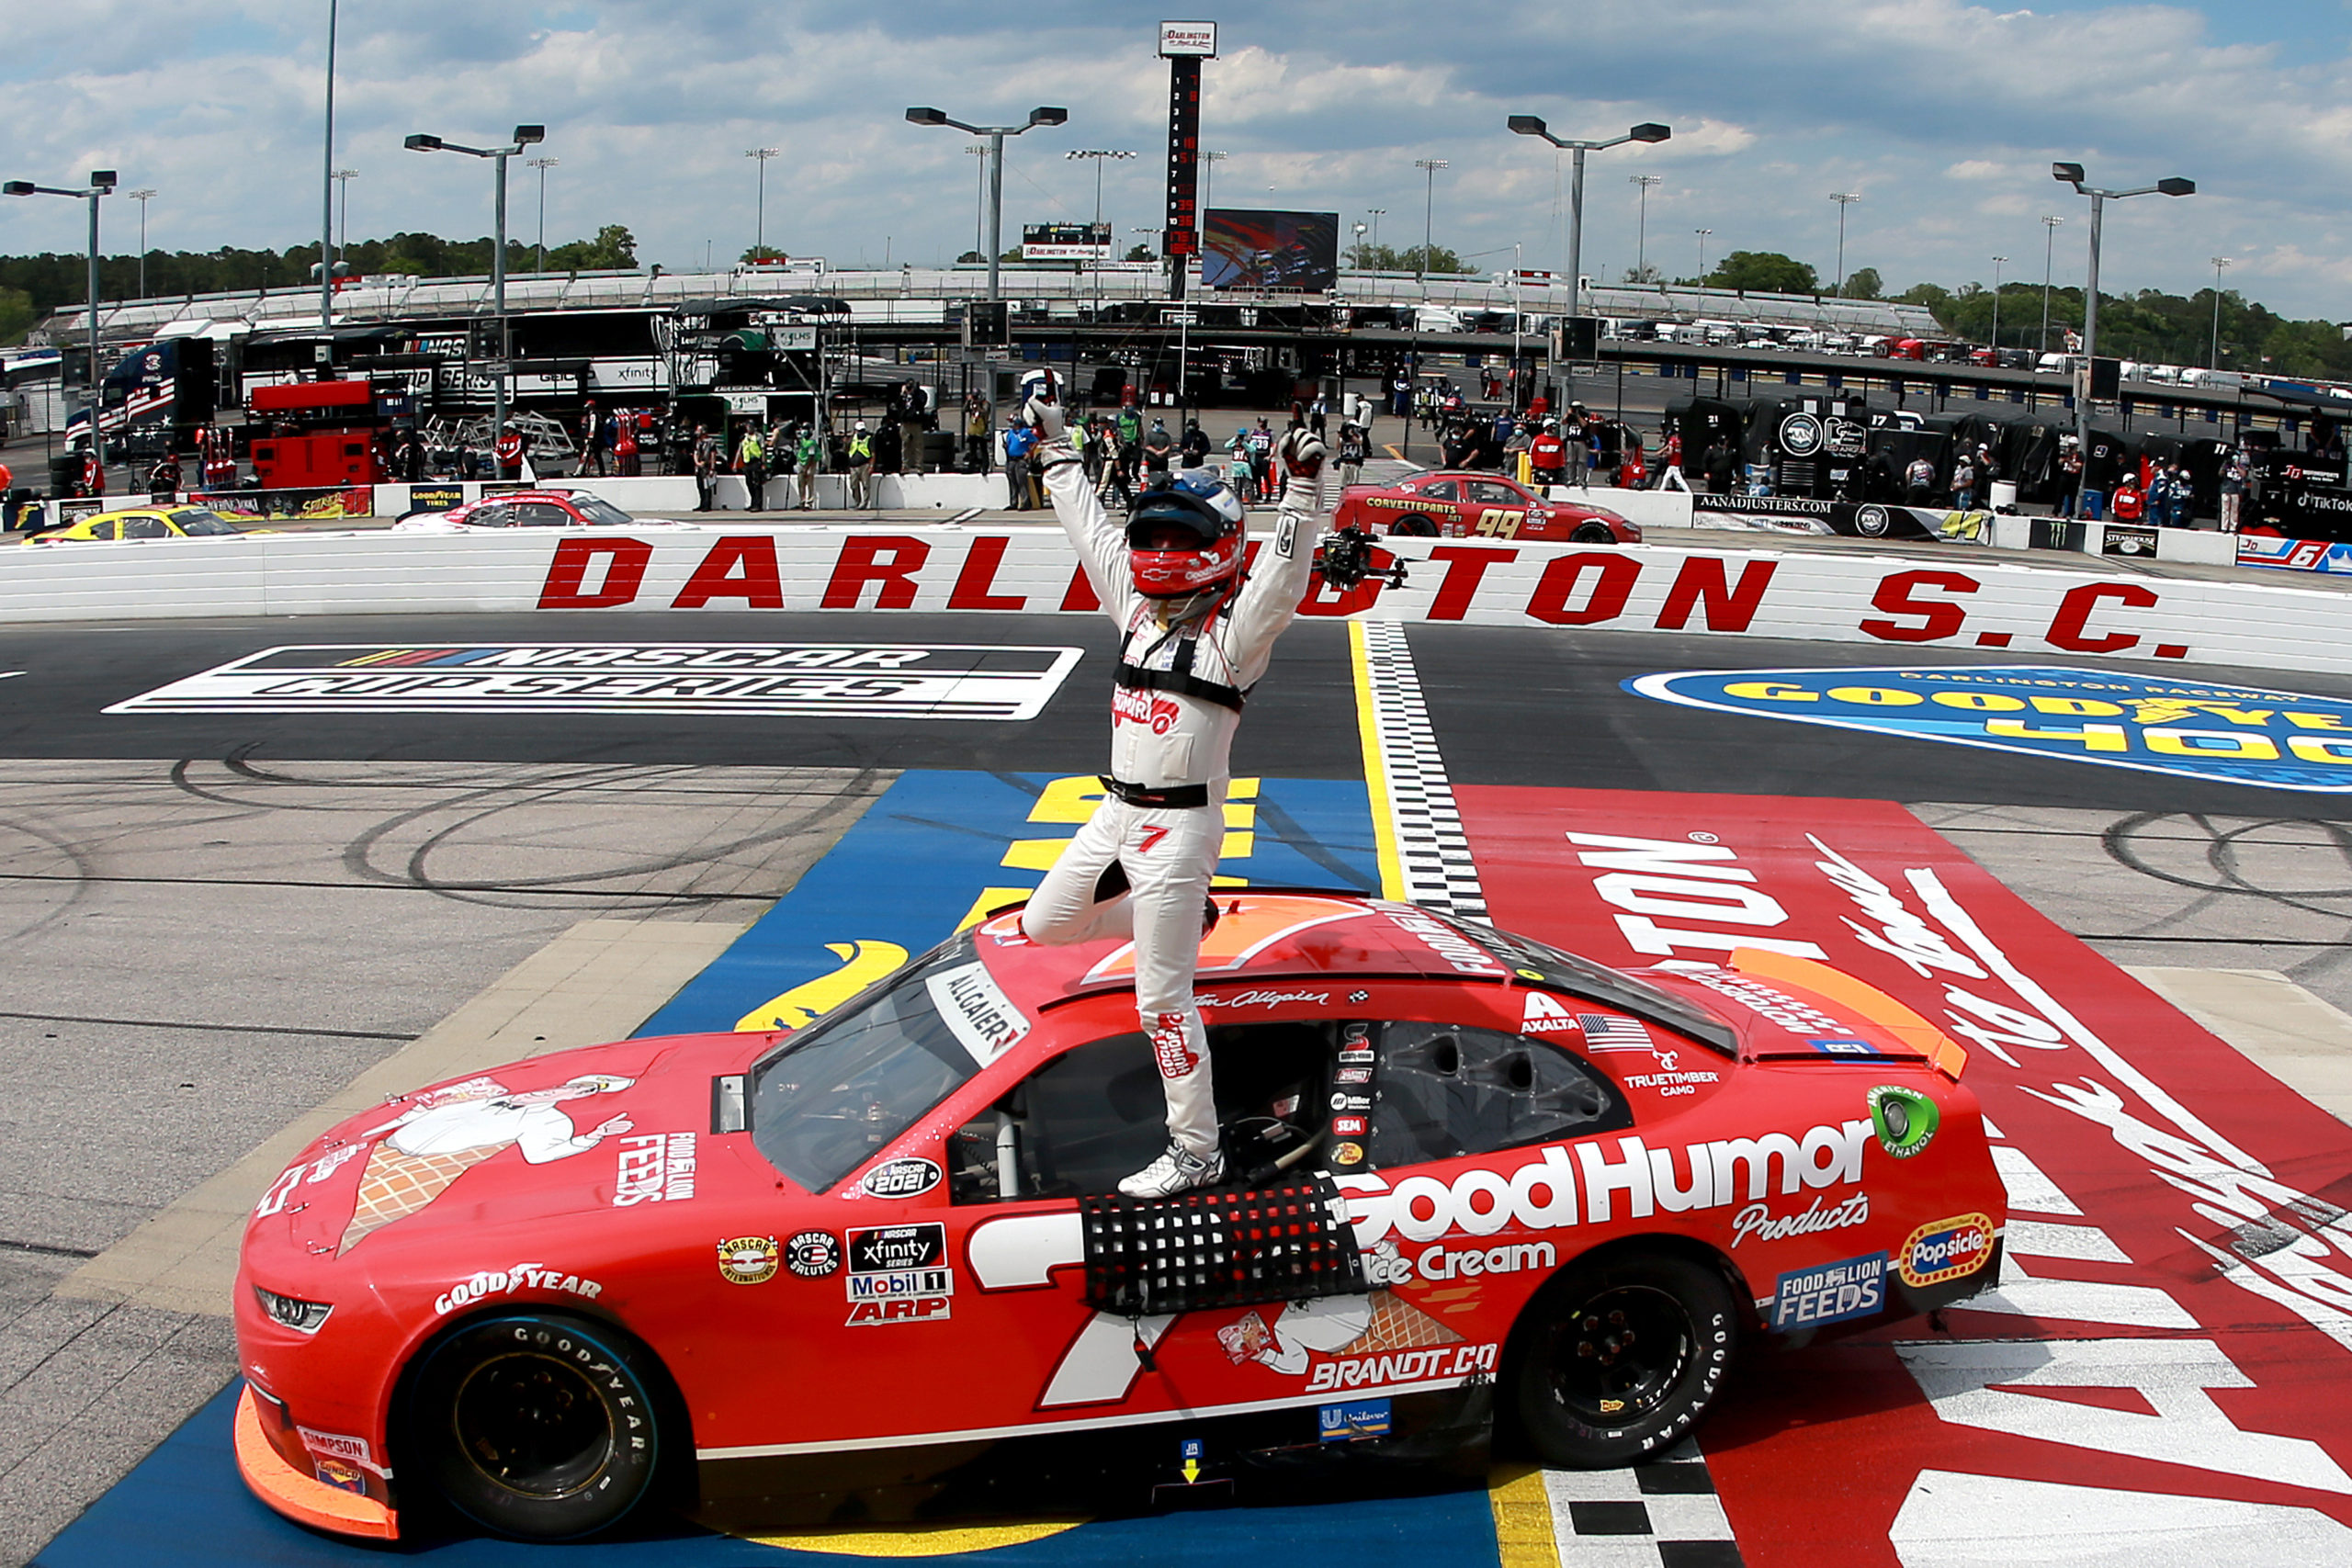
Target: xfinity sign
point(1193, 38)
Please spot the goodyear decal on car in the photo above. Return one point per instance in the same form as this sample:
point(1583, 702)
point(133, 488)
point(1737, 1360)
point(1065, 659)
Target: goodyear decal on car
point(2225, 734)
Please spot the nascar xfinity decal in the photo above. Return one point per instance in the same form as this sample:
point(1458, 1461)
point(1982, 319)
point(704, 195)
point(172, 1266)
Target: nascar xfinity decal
point(839, 680)
point(2192, 729)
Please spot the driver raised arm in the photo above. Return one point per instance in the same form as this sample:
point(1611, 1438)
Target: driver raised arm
point(1197, 632)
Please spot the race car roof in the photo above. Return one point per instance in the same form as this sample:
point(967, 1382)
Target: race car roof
point(1267, 934)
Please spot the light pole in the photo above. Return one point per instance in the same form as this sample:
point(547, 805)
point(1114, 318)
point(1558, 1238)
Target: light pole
point(141, 198)
point(2072, 174)
point(1098, 156)
point(760, 211)
point(996, 135)
point(1529, 125)
point(2049, 237)
point(1703, 234)
point(981, 193)
point(2214, 361)
point(1359, 247)
point(1641, 227)
point(326, 198)
point(1429, 166)
point(543, 165)
point(1999, 262)
point(1844, 198)
point(343, 215)
point(102, 182)
point(1376, 214)
point(524, 136)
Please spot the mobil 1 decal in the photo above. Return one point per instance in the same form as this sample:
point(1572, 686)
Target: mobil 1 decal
point(2197, 730)
point(2156, 1374)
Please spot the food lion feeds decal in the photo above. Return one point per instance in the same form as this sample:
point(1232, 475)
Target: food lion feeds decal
point(2172, 1335)
point(2195, 729)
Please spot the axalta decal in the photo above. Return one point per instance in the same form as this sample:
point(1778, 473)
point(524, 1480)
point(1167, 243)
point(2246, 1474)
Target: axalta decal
point(514, 1277)
point(1596, 1186)
point(2197, 730)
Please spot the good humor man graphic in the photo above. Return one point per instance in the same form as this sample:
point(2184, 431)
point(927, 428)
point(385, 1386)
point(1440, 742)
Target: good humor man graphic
point(447, 1132)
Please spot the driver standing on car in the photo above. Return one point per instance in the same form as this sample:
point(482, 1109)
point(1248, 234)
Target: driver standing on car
point(1199, 633)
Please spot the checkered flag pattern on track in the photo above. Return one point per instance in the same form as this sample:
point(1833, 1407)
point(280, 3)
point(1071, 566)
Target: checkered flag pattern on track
point(1433, 850)
point(395, 1186)
point(1661, 1515)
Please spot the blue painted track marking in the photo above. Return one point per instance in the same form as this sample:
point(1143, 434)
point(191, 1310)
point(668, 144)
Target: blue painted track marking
point(906, 873)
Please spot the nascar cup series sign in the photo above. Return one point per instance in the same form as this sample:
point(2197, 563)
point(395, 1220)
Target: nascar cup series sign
point(2196, 730)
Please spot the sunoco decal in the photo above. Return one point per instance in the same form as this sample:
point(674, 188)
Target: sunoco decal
point(2189, 729)
point(843, 682)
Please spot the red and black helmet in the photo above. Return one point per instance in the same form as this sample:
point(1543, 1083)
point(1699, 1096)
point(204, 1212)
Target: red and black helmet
point(1208, 515)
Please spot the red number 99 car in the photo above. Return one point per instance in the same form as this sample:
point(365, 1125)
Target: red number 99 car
point(749, 1273)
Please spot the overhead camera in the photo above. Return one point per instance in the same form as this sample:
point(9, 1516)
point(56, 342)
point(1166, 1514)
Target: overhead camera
point(1345, 560)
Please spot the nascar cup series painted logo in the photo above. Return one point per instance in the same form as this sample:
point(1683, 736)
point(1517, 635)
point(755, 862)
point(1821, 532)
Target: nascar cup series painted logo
point(1904, 1119)
point(2189, 729)
point(1946, 1249)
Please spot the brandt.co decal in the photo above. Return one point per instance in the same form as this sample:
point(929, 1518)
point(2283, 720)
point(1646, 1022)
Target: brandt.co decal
point(2197, 730)
point(832, 679)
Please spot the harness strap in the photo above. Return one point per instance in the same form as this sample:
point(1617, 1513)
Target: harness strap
point(1180, 678)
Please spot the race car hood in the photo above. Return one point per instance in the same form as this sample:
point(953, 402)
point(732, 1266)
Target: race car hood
point(607, 1128)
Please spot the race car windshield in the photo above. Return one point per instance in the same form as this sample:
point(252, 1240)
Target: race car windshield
point(597, 510)
point(196, 522)
point(836, 1094)
point(1582, 977)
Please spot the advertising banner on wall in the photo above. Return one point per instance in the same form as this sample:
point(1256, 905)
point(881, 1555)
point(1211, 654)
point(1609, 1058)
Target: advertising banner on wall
point(1270, 250)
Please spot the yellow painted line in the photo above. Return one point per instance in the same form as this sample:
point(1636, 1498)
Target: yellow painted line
point(1524, 1534)
point(1375, 769)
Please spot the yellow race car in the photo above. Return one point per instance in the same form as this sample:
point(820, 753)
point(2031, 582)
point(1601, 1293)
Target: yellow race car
point(140, 523)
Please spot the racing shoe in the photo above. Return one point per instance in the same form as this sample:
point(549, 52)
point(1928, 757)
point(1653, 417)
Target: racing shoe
point(1177, 1170)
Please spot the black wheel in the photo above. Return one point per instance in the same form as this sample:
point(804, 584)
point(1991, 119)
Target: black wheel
point(1415, 526)
point(1619, 1362)
point(536, 1426)
point(1592, 533)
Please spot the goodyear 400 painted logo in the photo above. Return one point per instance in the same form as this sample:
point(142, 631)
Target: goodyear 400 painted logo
point(2190, 728)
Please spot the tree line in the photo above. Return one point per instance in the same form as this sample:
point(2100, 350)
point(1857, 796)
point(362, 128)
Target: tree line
point(32, 286)
point(2150, 326)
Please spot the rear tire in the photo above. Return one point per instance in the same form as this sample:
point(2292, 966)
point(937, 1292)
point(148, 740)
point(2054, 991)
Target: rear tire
point(537, 1426)
point(1617, 1362)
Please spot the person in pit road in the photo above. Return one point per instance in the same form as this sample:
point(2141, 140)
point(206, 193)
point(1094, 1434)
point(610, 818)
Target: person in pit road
point(1199, 634)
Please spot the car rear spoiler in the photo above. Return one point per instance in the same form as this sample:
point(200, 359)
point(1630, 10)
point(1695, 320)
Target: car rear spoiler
point(1866, 1001)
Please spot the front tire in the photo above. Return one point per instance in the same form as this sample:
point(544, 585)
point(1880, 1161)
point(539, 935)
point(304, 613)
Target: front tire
point(1620, 1360)
point(1415, 526)
point(1592, 533)
point(537, 1426)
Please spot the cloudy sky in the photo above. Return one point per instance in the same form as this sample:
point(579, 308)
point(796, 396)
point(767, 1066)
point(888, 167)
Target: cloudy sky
point(1943, 115)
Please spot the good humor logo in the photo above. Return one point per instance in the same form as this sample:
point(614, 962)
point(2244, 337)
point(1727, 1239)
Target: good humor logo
point(2196, 730)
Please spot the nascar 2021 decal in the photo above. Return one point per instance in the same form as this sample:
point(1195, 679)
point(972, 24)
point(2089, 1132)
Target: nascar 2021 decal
point(833, 680)
point(2199, 729)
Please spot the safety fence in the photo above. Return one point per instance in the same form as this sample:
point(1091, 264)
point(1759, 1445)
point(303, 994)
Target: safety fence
point(1809, 595)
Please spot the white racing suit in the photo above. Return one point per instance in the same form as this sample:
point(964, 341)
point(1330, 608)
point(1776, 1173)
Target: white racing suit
point(1140, 868)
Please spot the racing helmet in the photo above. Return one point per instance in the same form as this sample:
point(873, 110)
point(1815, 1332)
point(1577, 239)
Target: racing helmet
point(1208, 515)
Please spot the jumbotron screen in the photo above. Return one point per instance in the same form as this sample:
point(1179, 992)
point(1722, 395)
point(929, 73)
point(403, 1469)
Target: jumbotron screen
point(1243, 249)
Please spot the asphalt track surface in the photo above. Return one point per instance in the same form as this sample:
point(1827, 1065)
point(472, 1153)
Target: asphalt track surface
point(217, 919)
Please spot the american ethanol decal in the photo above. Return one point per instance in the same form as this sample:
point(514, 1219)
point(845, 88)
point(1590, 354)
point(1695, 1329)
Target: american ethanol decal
point(2189, 729)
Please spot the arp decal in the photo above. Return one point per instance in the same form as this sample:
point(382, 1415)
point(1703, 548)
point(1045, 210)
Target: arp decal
point(1945, 1250)
point(2197, 730)
point(947, 681)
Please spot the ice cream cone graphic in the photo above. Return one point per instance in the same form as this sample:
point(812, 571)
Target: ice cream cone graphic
point(394, 1186)
point(1397, 1325)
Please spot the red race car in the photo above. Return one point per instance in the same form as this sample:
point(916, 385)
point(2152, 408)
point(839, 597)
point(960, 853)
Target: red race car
point(1454, 505)
point(550, 508)
point(883, 1251)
